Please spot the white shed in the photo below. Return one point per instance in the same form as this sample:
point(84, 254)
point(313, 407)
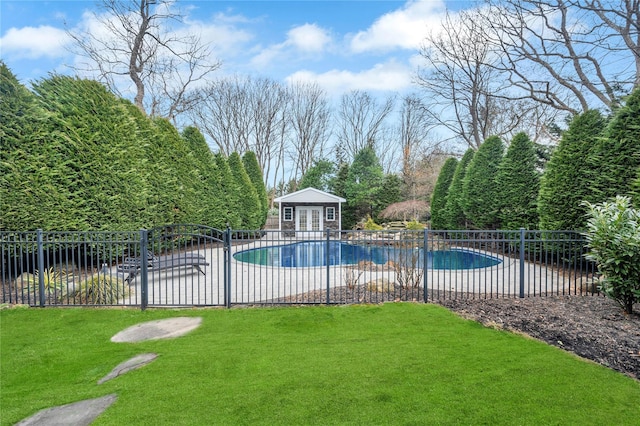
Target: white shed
point(309, 210)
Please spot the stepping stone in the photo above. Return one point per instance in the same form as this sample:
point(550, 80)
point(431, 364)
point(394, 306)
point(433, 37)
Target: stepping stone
point(159, 329)
point(81, 413)
point(131, 364)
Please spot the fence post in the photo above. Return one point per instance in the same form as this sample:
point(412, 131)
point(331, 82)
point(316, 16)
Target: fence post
point(227, 267)
point(425, 257)
point(328, 259)
point(144, 269)
point(522, 235)
point(41, 270)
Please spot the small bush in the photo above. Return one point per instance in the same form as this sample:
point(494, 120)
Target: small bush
point(613, 237)
point(53, 279)
point(414, 225)
point(370, 225)
point(100, 289)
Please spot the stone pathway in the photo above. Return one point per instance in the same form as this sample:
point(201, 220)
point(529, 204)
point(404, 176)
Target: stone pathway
point(83, 413)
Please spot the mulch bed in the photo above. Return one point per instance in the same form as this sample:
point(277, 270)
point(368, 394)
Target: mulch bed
point(592, 327)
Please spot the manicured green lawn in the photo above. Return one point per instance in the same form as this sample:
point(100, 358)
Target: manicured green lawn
point(381, 364)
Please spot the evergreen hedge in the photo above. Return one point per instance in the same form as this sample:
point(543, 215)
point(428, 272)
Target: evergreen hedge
point(453, 212)
point(616, 157)
point(76, 157)
point(252, 167)
point(480, 193)
point(519, 183)
point(231, 198)
point(440, 192)
point(565, 183)
point(208, 190)
point(249, 205)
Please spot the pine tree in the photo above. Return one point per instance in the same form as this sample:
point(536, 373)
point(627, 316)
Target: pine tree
point(250, 162)
point(440, 191)
point(453, 211)
point(364, 183)
point(480, 189)
point(249, 206)
point(519, 183)
point(338, 186)
point(390, 191)
point(565, 182)
point(318, 176)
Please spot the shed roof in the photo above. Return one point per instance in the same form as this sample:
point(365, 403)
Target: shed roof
point(310, 195)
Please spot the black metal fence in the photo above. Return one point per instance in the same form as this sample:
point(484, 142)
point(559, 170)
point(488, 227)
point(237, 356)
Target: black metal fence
point(193, 265)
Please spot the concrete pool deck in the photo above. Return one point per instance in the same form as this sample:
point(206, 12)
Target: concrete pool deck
point(253, 283)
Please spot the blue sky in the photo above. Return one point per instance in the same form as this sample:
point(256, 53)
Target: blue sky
point(341, 45)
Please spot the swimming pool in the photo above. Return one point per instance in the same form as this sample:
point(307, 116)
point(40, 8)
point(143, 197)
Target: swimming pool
point(313, 253)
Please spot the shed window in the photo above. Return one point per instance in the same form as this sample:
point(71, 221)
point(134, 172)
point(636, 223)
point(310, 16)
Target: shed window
point(331, 213)
point(287, 214)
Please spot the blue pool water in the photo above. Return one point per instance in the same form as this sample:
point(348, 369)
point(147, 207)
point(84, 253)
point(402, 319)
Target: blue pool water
point(313, 253)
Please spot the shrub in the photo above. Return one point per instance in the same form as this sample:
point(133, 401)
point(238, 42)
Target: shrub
point(414, 225)
point(370, 225)
point(613, 237)
point(99, 289)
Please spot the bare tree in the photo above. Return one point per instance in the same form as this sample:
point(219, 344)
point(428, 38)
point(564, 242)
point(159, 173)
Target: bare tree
point(310, 126)
point(226, 114)
point(465, 89)
point(245, 114)
point(572, 55)
point(134, 40)
point(414, 129)
point(361, 123)
point(269, 103)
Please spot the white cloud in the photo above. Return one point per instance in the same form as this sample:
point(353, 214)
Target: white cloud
point(404, 28)
point(308, 38)
point(301, 42)
point(389, 76)
point(34, 42)
point(222, 33)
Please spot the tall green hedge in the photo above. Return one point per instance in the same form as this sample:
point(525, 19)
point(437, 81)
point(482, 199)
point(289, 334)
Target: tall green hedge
point(208, 190)
point(440, 192)
point(635, 191)
point(518, 182)
point(616, 157)
point(249, 205)
point(94, 144)
point(35, 190)
point(76, 157)
point(453, 211)
point(566, 180)
point(252, 167)
point(480, 189)
point(230, 201)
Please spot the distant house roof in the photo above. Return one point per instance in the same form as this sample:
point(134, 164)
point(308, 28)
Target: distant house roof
point(309, 195)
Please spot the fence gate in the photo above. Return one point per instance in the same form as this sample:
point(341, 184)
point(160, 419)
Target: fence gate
point(187, 266)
